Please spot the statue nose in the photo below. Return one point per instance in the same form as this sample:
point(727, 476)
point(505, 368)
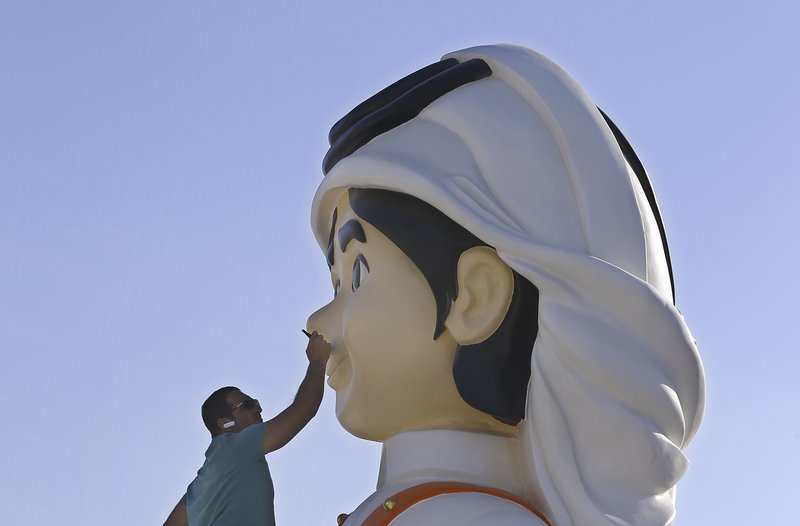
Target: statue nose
point(326, 321)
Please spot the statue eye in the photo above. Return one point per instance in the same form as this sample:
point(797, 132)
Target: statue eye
point(360, 271)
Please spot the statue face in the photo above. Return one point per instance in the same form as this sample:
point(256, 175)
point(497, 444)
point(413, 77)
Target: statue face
point(388, 372)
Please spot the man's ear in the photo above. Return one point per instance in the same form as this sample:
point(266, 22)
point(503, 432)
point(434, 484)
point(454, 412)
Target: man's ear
point(221, 424)
point(485, 288)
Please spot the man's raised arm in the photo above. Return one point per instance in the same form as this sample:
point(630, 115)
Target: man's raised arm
point(291, 420)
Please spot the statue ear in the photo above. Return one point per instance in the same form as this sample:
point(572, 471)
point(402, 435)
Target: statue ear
point(485, 288)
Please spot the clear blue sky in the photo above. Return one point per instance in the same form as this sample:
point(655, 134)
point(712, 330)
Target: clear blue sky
point(157, 162)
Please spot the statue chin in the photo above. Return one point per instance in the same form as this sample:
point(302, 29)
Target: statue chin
point(379, 422)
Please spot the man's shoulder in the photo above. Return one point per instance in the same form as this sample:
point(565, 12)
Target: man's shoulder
point(247, 441)
point(251, 436)
point(257, 428)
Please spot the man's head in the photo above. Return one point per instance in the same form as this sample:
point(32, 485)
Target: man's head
point(228, 410)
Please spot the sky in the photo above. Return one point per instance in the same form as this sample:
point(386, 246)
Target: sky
point(157, 164)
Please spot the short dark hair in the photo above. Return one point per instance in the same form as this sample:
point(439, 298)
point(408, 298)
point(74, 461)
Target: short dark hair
point(215, 407)
point(491, 376)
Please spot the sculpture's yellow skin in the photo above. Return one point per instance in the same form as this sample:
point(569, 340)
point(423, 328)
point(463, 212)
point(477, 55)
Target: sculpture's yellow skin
point(388, 372)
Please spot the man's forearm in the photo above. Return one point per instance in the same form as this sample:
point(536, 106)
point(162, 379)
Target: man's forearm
point(291, 420)
point(309, 394)
point(286, 425)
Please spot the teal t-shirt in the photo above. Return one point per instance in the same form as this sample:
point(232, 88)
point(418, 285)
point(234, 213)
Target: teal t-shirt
point(234, 487)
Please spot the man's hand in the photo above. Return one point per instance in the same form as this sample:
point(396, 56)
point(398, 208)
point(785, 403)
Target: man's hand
point(318, 350)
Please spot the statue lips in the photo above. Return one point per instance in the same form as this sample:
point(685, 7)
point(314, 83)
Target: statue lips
point(337, 364)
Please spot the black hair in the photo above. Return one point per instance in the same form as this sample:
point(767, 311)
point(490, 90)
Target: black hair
point(215, 407)
point(491, 376)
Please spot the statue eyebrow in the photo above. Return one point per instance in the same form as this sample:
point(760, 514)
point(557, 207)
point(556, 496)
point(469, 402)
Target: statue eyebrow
point(350, 231)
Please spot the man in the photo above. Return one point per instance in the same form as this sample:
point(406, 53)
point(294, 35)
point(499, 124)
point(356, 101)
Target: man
point(503, 317)
point(234, 486)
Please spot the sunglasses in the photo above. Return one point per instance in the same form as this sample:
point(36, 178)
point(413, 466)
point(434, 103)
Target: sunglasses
point(250, 403)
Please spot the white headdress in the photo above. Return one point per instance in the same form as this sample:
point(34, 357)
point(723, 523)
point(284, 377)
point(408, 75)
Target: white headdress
point(525, 161)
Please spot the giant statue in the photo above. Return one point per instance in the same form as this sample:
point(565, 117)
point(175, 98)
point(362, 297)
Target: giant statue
point(503, 317)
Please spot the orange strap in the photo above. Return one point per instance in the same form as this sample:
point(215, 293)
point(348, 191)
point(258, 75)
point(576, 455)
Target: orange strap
point(398, 503)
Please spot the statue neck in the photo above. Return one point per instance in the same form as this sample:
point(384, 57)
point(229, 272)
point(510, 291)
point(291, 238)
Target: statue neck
point(451, 455)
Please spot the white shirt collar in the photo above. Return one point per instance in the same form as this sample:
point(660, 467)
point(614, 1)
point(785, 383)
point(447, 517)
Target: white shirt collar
point(453, 455)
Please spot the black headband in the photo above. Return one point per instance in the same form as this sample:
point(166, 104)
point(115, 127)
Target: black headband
point(397, 104)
